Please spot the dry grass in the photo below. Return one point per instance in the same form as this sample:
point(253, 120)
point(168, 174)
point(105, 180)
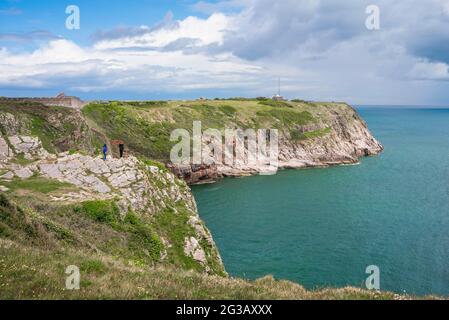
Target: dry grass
point(27, 273)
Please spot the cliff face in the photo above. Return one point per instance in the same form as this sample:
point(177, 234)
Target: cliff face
point(337, 136)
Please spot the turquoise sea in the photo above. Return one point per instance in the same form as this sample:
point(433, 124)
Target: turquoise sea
point(323, 227)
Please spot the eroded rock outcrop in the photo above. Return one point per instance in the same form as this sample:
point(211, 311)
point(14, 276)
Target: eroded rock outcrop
point(347, 139)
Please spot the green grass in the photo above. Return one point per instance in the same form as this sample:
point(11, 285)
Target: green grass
point(146, 130)
point(274, 103)
point(228, 110)
point(30, 228)
point(27, 273)
point(295, 135)
point(147, 104)
point(41, 129)
point(93, 266)
point(94, 224)
point(100, 211)
point(37, 184)
point(143, 244)
point(287, 117)
point(175, 228)
point(21, 160)
point(153, 163)
point(144, 241)
point(124, 123)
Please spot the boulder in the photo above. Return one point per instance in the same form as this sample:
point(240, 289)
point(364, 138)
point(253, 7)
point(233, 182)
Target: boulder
point(5, 150)
point(23, 173)
point(193, 249)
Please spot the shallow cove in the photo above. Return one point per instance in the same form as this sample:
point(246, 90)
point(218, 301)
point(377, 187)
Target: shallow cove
point(323, 227)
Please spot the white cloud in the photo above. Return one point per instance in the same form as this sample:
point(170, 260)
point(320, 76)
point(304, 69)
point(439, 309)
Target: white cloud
point(426, 70)
point(203, 31)
point(91, 69)
point(320, 49)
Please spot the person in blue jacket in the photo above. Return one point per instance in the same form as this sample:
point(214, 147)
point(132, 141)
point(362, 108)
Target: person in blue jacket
point(105, 151)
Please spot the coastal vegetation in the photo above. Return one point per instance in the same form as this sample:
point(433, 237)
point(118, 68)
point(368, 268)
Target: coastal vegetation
point(146, 130)
point(145, 245)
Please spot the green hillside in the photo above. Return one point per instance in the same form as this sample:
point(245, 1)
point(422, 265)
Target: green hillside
point(146, 127)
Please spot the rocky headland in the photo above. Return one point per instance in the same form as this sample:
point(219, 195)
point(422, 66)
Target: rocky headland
point(59, 197)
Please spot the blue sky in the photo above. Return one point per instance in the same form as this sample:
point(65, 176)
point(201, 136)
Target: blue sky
point(22, 16)
point(142, 49)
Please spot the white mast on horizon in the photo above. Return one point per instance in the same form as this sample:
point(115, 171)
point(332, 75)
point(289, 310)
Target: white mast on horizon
point(279, 86)
point(278, 96)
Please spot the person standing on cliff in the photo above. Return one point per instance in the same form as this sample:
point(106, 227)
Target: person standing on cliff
point(105, 151)
point(121, 148)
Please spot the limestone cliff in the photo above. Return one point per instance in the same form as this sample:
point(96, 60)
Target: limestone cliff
point(337, 135)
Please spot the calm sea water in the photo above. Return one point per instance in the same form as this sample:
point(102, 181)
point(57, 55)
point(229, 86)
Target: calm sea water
point(323, 227)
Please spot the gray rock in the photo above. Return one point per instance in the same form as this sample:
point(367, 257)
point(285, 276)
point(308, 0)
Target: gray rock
point(7, 176)
point(23, 173)
point(5, 150)
point(31, 147)
point(153, 169)
point(100, 187)
point(10, 124)
point(51, 171)
point(193, 249)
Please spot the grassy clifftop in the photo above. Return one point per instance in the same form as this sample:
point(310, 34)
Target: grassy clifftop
point(36, 274)
point(146, 127)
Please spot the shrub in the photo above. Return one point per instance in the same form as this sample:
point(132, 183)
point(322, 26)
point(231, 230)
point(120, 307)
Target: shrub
point(101, 211)
point(93, 266)
point(295, 135)
point(228, 110)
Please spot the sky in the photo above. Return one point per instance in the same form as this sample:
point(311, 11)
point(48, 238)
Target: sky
point(140, 49)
